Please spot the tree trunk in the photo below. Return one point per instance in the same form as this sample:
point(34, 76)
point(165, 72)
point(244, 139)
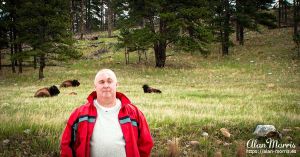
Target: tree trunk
point(42, 66)
point(0, 61)
point(241, 35)
point(296, 15)
point(12, 51)
point(298, 49)
point(279, 12)
point(81, 20)
point(285, 13)
point(109, 18)
point(114, 20)
point(16, 51)
point(225, 42)
point(160, 46)
point(77, 25)
point(101, 16)
point(238, 10)
point(126, 55)
point(237, 29)
point(239, 25)
point(13, 68)
point(15, 44)
point(88, 16)
point(72, 10)
point(145, 53)
point(160, 54)
point(12, 35)
point(34, 62)
point(139, 51)
point(20, 59)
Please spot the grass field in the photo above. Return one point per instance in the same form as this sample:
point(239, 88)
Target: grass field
point(259, 83)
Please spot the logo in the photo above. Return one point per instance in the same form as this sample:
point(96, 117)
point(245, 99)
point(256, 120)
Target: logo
point(270, 146)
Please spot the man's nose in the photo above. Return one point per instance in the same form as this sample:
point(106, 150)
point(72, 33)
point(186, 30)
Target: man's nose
point(105, 84)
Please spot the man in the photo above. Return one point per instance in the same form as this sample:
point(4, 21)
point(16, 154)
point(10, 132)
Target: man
point(108, 125)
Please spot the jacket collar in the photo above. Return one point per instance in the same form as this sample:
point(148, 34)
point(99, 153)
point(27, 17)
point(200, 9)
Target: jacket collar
point(124, 100)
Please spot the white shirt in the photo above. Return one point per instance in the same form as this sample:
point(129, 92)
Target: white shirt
point(107, 138)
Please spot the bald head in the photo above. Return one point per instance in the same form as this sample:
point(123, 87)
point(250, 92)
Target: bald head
point(108, 72)
point(106, 87)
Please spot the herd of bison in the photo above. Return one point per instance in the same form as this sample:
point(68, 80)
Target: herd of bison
point(53, 90)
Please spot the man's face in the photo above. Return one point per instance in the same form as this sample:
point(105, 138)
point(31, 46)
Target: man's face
point(106, 85)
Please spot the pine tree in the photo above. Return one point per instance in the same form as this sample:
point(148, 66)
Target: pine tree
point(11, 20)
point(3, 30)
point(249, 14)
point(225, 32)
point(246, 13)
point(221, 23)
point(91, 13)
point(45, 27)
point(182, 23)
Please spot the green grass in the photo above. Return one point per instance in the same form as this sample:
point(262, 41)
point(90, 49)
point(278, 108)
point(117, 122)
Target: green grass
point(199, 94)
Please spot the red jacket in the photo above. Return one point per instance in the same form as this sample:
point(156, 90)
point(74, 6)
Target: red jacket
point(77, 134)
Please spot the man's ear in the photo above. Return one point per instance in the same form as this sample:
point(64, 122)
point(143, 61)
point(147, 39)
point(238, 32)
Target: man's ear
point(117, 84)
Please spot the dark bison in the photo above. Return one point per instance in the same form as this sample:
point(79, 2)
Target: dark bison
point(47, 92)
point(70, 83)
point(148, 89)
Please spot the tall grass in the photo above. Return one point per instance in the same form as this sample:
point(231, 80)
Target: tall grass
point(258, 84)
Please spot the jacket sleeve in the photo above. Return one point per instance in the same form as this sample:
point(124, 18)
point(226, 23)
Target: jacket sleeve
point(145, 142)
point(65, 143)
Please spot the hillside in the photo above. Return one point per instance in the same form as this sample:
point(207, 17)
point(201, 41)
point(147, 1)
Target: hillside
point(259, 83)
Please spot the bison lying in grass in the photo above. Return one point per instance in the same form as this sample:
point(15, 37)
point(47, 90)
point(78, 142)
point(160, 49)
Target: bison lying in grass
point(148, 89)
point(70, 83)
point(47, 92)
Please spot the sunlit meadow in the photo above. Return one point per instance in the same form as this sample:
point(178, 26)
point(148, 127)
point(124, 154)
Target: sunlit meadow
point(259, 83)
